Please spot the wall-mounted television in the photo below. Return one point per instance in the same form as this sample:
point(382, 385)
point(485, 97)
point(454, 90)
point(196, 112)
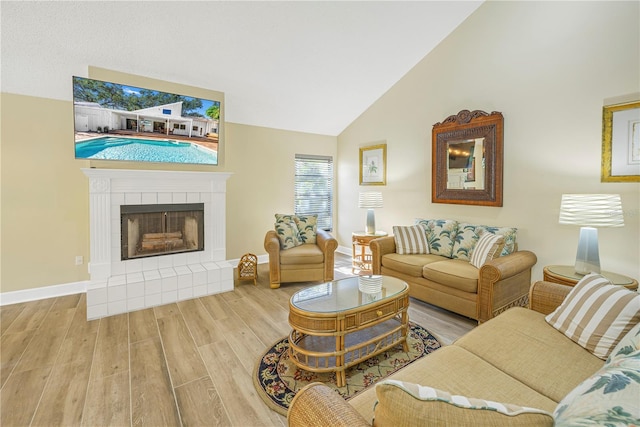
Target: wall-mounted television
point(119, 122)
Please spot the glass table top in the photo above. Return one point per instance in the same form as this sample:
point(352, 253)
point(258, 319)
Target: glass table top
point(346, 294)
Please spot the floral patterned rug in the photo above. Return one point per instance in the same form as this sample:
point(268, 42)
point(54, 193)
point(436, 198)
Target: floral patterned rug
point(277, 379)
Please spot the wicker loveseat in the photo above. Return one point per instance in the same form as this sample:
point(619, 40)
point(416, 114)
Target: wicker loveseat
point(445, 277)
point(517, 361)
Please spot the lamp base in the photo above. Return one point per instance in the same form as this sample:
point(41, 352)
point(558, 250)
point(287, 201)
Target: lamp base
point(588, 257)
point(371, 222)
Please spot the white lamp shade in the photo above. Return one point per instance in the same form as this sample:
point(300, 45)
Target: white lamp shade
point(592, 210)
point(370, 199)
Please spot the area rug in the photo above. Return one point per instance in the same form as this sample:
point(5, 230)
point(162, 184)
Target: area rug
point(277, 379)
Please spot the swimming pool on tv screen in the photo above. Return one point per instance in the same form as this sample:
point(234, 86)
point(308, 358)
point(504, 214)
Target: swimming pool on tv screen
point(145, 150)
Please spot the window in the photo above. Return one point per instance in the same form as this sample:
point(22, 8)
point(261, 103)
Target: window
point(314, 188)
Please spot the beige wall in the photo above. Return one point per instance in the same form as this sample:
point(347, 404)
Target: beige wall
point(549, 67)
point(45, 197)
point(45, 203)
point(262, 162)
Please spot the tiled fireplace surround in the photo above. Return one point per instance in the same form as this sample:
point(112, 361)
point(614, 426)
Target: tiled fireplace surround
point(122, 286)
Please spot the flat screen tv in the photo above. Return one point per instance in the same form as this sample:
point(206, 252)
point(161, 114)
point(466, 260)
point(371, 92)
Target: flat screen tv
point(126, 123)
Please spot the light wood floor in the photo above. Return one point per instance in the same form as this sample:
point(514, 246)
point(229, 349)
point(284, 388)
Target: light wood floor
point(187, 363)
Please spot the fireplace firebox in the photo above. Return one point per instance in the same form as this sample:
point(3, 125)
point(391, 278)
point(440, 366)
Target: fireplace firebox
point(154, 230)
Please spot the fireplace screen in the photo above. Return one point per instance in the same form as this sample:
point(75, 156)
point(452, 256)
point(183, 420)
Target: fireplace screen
point(152, 230)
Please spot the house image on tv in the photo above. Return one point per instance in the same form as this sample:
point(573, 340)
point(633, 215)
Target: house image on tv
point(166, 119)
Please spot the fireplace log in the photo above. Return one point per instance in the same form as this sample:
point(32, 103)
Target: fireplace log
point(156, 244)
point(155, 236)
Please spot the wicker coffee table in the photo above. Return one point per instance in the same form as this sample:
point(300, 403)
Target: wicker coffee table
point(336, 325)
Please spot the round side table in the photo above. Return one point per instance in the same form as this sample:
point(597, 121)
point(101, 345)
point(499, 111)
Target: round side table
point(566, 275)
point(361, 254)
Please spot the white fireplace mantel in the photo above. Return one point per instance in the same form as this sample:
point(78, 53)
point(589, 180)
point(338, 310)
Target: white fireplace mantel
point(118, 286)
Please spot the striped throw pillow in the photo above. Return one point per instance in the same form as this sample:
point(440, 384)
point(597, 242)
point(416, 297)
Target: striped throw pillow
point(597, 314)
point(410, 240)
point(407, 404)
point(488, 247)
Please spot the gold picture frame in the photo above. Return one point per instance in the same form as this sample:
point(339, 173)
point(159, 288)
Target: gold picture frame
point(621, 142)
point(373, 165)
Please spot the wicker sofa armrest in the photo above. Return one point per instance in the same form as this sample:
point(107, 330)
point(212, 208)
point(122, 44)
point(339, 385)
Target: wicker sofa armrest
point(272, 246)
point(328, 245)
point(325, 241)
point(545, 297)
point(503, 283)
point(272, 243)
point(318, 405)
point(379, 247)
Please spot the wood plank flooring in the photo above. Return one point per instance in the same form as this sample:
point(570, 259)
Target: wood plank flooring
point(186, 363)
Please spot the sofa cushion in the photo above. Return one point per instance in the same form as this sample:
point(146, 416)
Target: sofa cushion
point(488, 247)
point(455, 273)
point(610, 397)
point(520, 343)
point(409, 264)
point(308, 253)
point(440, 234)
point(288, 233)
point(459, 371)
point(597, 314)
point(408, 404)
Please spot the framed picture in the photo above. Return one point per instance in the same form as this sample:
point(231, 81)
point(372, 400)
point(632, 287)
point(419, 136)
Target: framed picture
point(373, 165)
point(621, 142)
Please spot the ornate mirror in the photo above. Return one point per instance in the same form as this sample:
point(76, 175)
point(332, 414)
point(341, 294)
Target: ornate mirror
point(467, 154)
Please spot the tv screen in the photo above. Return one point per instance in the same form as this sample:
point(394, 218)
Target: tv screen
point(127, 123)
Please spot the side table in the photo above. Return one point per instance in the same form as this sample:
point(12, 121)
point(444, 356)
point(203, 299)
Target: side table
point(566, 275)
point(361, 254)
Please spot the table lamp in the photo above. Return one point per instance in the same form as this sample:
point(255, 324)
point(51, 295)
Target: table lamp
point(590, 211)
point(370, 200)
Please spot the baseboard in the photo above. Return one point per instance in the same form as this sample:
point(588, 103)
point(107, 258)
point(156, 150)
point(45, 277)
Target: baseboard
point(44, 292)
point(345, 250)
point(53, 291)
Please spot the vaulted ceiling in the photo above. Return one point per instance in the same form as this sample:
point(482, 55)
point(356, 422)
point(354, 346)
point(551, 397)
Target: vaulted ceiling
point(310, 66)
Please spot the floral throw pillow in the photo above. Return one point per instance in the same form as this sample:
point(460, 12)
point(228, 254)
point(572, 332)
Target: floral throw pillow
point(468, 235)
point(441, 234)
point(307, 225)
point(610, 396)
point(509, 233)
point(465, 241)
point(288, 234)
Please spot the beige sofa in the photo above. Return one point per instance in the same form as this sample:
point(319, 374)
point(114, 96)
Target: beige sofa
point(450, 281)
point(515, 358)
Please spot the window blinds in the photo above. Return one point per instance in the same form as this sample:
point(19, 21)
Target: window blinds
point(314, 188)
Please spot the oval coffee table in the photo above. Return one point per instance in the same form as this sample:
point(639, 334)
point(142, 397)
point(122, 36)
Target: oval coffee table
point(336, 325)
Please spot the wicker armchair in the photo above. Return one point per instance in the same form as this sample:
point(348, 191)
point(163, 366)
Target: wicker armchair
point(305, 263)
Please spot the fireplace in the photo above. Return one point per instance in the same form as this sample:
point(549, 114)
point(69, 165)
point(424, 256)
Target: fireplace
point(180, 261)
point(154, 230)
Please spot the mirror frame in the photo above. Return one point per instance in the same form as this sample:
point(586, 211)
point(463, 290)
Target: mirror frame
point(466, 125)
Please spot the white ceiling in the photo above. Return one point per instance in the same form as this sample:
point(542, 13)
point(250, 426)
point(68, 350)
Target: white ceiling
point(310, 66)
